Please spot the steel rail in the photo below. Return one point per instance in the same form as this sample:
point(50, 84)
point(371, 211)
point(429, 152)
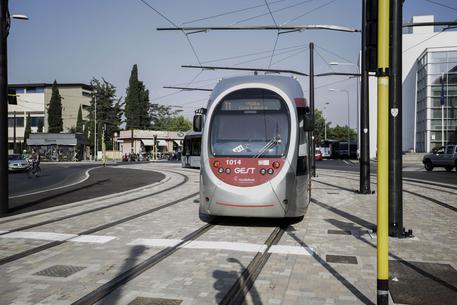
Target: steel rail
point(29, 252)
point(102, 291)
point(236, 294)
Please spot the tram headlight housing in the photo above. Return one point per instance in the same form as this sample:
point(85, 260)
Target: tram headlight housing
point(220, 170)
point(263, 171)
point(227, 171)
point(271, 171)
point(216, 163)
point(276, 165)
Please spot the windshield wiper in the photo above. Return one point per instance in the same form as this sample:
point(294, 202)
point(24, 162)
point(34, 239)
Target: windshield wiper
point(272, 143)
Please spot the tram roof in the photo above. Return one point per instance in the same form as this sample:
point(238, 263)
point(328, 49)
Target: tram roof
point(285, 83)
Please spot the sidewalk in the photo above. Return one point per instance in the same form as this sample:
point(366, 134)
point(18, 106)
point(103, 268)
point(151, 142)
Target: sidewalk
point(341, 266)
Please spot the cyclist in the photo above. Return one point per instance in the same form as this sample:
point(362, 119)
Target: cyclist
point(35, 157)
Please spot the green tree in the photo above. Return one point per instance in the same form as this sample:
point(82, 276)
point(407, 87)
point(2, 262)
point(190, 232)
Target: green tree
point(79, 121)
point(137, 106)
point(173, 123)
point(340, 133)
point(28, 127)
point(40, 125)
point(109, 112)
point(55, 110)
point(159, 114)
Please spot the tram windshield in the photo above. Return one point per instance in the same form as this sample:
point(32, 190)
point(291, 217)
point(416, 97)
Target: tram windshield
point(250, 123)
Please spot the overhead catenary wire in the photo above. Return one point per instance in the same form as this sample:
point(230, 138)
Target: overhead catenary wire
point(310, 11)
point(442, 5)
point(274, 11)
point(333, 53)
point(230, 12)
point(175, 25)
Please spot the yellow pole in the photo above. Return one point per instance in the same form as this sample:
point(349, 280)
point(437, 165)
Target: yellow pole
point(383, 154)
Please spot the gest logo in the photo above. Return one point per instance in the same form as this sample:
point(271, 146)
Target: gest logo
point(244, 170)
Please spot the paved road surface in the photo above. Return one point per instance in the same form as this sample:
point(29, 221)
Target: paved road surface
point(102, 181)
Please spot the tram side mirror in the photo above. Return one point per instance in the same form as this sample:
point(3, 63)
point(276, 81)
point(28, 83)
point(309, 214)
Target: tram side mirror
point(198, 123)
point(308, 121)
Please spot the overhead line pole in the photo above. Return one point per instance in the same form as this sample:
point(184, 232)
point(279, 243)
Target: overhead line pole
point(3, 108)
point(395, 124)
point(383, 154)
point(311, 149)
point(364, 166)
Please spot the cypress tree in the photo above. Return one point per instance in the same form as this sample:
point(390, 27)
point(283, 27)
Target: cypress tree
point(28, 127)
point(137, 103)
point(55, 110)
point(79, 121)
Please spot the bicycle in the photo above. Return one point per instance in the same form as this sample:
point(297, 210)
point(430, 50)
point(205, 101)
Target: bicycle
point(34, 169)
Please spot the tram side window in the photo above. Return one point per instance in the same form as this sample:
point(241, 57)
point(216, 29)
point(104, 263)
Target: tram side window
point(302, 160)
point(196, 145)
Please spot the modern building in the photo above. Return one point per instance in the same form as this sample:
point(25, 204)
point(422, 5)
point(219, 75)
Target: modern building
point(144, 140)
point(34, 99)
point(429, 78)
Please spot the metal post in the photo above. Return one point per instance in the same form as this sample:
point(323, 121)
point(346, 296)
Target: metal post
point(365, 187)
point(349, 127)
point(3, 108)
point(383, 154)
point(95, 129)
point(104, 145)
point(14, 132)
point(311, 107)
point(395, 125)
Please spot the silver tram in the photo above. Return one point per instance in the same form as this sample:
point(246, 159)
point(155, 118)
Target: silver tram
point(254, 152)
point(191, 150)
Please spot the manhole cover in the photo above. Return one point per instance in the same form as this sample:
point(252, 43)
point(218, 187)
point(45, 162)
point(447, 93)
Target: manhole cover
point(154, 301)
point(417, 283)
point(339, 232)
point(59, 271)
point(341, 259)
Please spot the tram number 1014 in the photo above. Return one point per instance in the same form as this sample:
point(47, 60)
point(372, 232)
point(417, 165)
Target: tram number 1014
point(233, 162)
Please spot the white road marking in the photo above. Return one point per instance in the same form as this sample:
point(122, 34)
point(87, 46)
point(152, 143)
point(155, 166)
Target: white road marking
point(92, 239)
point(296, 250)
point(39, 235)
point(346, 162)
point(223, 245)
point(86, 176)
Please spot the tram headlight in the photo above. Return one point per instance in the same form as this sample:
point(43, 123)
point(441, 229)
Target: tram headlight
point(220, 170)
point(276, 165)
point(216, 163)
point(271, 171)
point(227, 171)
point(263, 171)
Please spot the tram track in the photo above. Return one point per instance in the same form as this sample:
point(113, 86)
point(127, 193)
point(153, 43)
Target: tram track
point(234, 296)
point(443, 204)
point(412, 183)
point(65, 217)
point(238, 291)
point(46, 246)
point(104, 290)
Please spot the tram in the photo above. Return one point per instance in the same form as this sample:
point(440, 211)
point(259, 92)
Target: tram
point(254, 152)
point(191, 150)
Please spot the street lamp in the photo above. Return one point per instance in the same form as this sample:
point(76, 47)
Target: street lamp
point(333, 63)
point(349, 137)
point(325, 121)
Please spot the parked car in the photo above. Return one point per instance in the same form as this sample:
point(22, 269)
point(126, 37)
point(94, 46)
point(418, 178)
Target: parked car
point(17, 163)
point(445, 156)
point(318, 155)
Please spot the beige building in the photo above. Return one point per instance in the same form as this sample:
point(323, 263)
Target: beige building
point(144, 140)
point(34, 99)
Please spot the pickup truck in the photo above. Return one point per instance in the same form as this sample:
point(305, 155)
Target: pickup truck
point(445, 156)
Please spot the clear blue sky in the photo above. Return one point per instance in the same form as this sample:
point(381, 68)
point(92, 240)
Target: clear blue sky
point(73, 41)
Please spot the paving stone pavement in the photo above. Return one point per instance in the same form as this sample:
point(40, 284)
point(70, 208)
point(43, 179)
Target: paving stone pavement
point(203, 271)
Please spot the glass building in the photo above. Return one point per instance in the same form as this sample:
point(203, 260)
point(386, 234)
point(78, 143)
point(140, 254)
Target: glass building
point(436, 113)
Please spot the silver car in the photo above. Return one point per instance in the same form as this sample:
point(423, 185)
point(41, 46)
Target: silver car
point(17, 163)
point(445, 156)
